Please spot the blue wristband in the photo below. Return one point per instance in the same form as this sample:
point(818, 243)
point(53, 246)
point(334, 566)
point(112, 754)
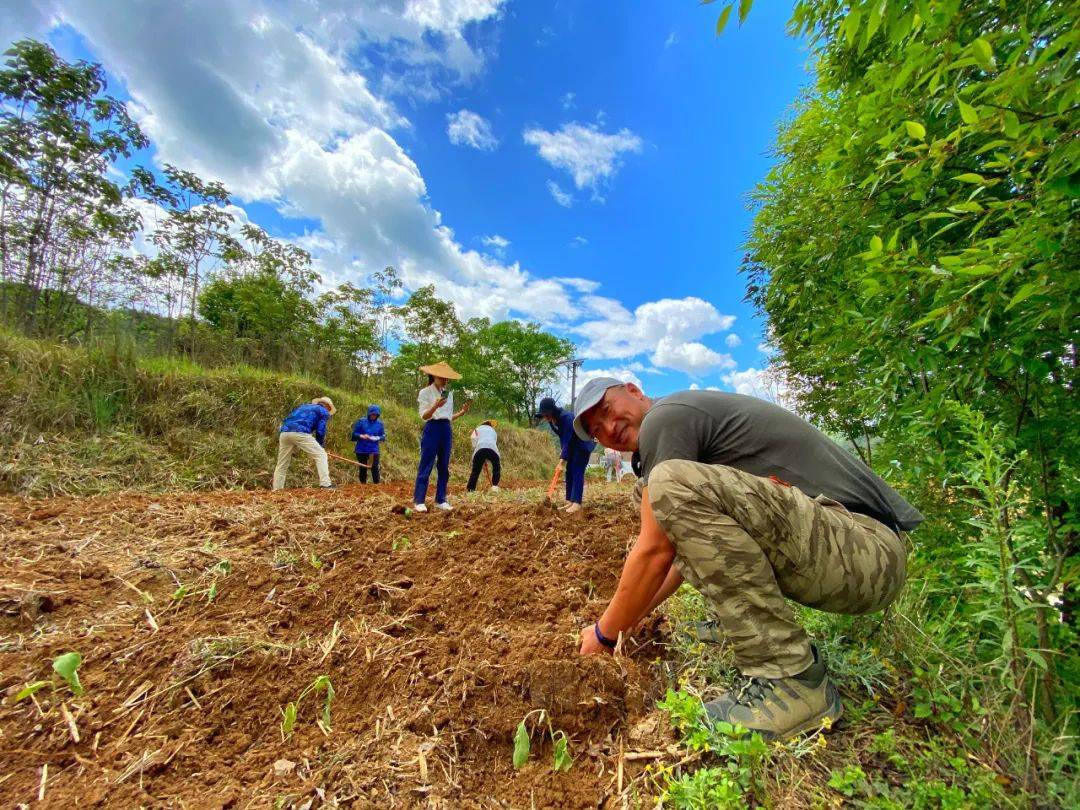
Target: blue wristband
point(607, 642)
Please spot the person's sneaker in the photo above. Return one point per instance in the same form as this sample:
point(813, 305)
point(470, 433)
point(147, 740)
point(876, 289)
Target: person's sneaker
point(574, 507)
point(327, 486)
point(707, 632)
point(419, 507)
point(494, 487)
point(446, 507)
point(780, 708)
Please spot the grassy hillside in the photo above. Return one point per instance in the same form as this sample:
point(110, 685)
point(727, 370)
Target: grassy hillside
point(88, 421)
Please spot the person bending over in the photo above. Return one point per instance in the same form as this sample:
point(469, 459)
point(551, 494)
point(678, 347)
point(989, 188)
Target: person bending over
point(485, 444)
point(752, 506)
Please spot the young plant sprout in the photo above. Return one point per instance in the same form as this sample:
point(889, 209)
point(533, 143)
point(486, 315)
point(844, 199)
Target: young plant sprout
point(67, 667)
point(320, 684)
point(560, 743)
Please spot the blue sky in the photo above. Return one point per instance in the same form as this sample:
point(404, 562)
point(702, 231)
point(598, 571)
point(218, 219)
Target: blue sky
point(584, 165)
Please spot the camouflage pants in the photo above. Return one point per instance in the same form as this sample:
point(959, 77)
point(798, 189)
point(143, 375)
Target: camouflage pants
point(747, 543)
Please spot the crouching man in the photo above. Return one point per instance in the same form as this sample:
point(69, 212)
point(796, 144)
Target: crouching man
point(751, 505)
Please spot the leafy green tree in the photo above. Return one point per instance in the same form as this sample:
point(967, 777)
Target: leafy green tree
point(62, 217)
point(915, 249)
point(511, 364)
point(194, 238)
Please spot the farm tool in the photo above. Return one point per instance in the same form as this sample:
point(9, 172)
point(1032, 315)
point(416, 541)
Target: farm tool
point(348, 460)
point(554, 483)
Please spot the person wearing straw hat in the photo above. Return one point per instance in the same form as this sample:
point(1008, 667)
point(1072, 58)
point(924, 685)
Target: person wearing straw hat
point(485, 450)
point(436, 405)
point(305, 428)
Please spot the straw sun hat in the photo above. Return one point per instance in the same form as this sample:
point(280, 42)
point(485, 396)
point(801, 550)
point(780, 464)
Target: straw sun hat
point(329, 403)
point(441, 369)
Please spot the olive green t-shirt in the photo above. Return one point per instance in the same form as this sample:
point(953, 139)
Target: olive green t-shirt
point(755, 436)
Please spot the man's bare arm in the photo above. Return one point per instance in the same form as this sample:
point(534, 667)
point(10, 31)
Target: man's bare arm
point(644, 573)
point(671, 584)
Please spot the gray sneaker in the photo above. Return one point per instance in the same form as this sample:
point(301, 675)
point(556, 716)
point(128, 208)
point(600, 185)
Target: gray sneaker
point(780, 708)
point(707, 632)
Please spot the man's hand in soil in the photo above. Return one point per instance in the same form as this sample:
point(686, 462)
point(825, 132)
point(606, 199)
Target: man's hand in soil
point(590, 644)
point(644, 575)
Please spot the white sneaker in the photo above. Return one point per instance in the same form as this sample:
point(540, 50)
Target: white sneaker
point(419, 507)
point(446, 507)
point(494, 487)
point(572, 508)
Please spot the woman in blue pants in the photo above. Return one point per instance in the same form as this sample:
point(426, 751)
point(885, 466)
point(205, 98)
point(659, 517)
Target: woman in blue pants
point(436, 404)
point(574, 452)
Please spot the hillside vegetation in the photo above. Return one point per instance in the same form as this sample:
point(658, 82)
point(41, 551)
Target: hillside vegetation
point(83, 421)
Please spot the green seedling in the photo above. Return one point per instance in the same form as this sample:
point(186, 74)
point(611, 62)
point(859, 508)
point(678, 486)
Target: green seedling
point(320, 684)
point(561, 759)
point(211, 592)
point(67, 667)
point(316, 563)
point(560, 743)
point(452, 535)
point(181, 592)
point(522, 744)
point(400, 544)
point(30, 689)
point(224, 568)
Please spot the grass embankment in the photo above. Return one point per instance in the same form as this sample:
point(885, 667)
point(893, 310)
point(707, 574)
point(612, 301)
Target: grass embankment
point(79, 421)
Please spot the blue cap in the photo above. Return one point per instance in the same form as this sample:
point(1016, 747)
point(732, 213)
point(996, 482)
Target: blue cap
point(547, 406)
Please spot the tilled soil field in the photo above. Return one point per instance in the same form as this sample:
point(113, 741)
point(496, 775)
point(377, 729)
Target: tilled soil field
point(201, 616)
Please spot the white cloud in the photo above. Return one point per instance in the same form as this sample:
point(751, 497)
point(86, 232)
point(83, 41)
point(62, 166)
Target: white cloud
point(623, 373)
point(670, 329)
point(579, 241)
point(270, 98)
point(692, 357)
point(262, 97)
point(672, 39)
point(567, 101)
point(496, 241)
point(762, 383)
point(466, 128)
point(588, 155)
point(561, 197)
point(732, 340)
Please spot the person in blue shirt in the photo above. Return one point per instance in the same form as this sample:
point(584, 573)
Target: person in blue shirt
point(575, 452)
point(305, 428)
point(369, 432)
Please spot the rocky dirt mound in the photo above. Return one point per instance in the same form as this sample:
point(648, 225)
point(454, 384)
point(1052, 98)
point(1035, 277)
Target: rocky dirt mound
point(200, 617)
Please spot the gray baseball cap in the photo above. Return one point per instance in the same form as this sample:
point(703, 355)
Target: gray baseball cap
point(591, 393)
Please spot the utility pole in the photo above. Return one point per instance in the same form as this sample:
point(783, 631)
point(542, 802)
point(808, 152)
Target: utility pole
point(572, 364)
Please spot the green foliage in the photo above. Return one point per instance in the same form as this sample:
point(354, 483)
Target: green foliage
point(848, 781)
point(915, 248)
point(290, 711)
point(560, 743)
point(743, 755)
point(522, 745)
point(67, 667)
point(30, 689)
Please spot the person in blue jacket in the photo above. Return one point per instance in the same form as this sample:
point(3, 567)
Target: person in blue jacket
point(575, 452)
point(369, 433)
point(305, 428)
